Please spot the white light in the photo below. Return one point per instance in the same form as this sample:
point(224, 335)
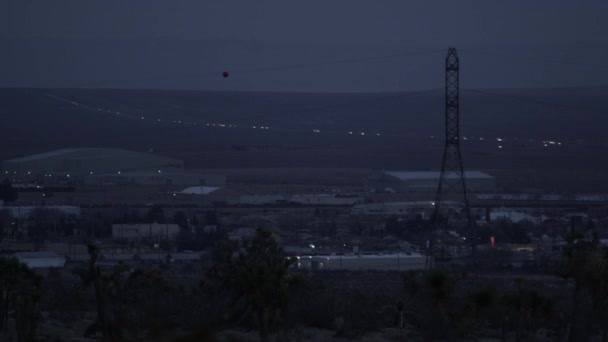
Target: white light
point(498, 139)
point(68, 176)
point(118, 172)
point(29, 173)
point(378, 134)
point(362, 133)
point(91, 172)
point(350, 132)
point(159, 171)
point(312, 246)
point(481, 139)
point(158, 120)
point(499, 146)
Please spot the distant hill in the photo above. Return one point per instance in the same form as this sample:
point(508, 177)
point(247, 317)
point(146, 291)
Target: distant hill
point(132, 63)
point(309, 129)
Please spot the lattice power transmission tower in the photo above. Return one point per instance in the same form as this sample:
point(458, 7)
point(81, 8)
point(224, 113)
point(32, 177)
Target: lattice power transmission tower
point(451, 201)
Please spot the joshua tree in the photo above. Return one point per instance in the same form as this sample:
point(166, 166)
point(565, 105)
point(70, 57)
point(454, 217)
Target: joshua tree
point(20, 290)
point(119, 295)
point(256, 281)
point(586, 262)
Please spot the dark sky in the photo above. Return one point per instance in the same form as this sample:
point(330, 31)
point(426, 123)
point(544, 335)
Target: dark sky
point(184, 43)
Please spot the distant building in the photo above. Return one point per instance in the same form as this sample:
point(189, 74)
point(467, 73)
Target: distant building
point(394, 208)
point(40, 259)
point(144, 230)
point(304, 199)
point(325, 199)
point(23, 212)
point(86, 161)
point(361, 262)
point(513, 216)
point(241, 234)
point(426, 181)
point(198, 190)
point(259, 199)
point(156, 177)
point(247, 233)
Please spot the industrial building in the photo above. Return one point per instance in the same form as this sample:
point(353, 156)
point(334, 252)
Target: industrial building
point(423, 208)
point(77, 162)
point(360, 262)
point(426, 181)
point(40, 259)
point(144, 230)
point(155, 177)
point(24, 212)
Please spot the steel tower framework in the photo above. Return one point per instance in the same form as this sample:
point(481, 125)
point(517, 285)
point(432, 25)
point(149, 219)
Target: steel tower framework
point(451, 200)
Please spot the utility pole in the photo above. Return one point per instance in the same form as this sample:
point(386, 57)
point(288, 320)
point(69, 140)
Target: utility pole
point(451, 199)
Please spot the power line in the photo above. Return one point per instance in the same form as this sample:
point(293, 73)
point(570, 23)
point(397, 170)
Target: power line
point(195, 75)
point(544, 61)
point(535, 101)
point(343, 104)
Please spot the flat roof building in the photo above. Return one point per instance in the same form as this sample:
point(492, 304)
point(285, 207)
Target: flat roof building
point(427, 181)
point(87, 161)
point(144, 230)
point(41, 259)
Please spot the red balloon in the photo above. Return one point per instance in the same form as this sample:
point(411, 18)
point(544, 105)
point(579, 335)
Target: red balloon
point(225, 74)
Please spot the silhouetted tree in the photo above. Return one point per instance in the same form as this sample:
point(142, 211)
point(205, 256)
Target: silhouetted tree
point(125, 299)
point(256, 282)
point(156, 214)
point(8, 194)
point(180, 219)
point(526, 310)
point(20, 290)
point(586, 262)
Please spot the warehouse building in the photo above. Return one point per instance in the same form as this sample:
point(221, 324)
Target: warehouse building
point(41, 259)
point(77, 162)
point(144, 230)
point(426, 181)
point(156, 177)
point(361, 262)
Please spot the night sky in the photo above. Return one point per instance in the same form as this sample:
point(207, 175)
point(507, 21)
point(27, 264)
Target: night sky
point(313, 45)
